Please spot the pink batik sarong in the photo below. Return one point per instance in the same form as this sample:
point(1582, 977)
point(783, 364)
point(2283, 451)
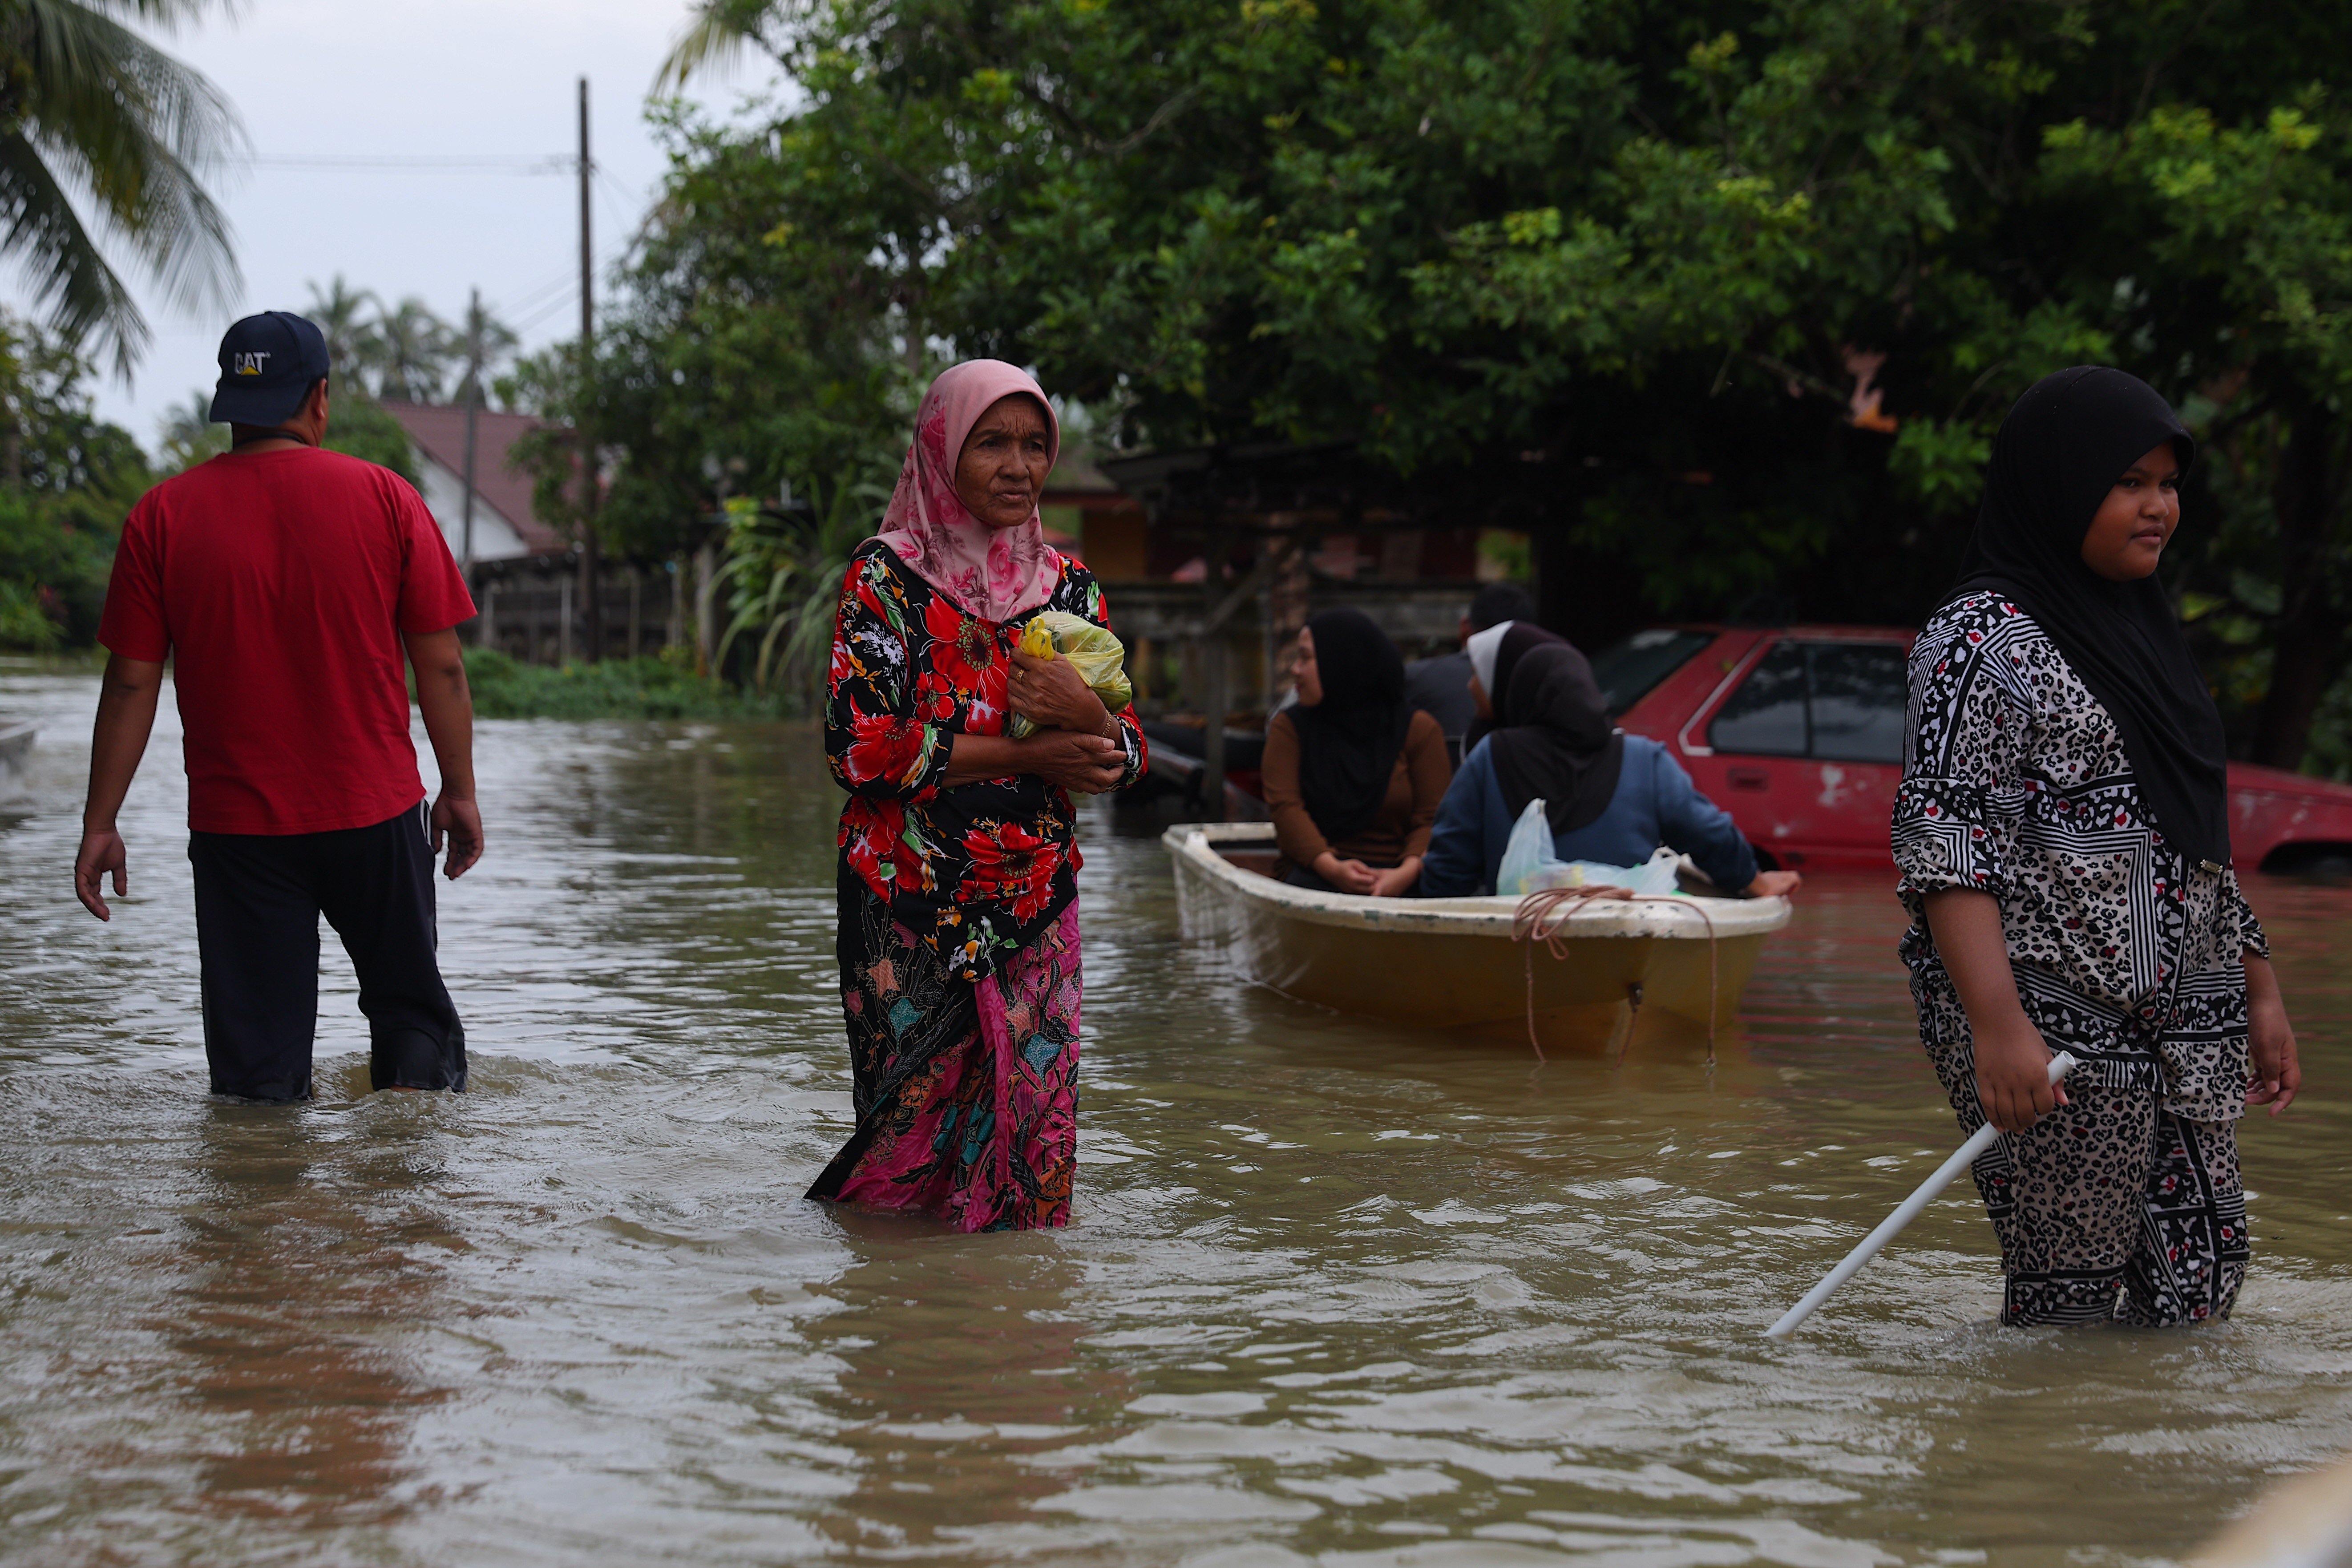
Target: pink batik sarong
point(966, 1091)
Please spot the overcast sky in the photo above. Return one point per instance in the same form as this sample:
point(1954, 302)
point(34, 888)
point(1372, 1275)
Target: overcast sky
point(423, 78)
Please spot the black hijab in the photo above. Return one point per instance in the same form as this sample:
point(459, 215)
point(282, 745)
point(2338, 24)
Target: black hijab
point(1522, 638)
point(2059, 452)
point(1560, 746)
point(1349, 741)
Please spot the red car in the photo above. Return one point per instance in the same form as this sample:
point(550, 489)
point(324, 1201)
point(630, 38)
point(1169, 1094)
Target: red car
point(1797, 731)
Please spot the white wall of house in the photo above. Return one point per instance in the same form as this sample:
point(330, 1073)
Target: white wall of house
point(495, 538)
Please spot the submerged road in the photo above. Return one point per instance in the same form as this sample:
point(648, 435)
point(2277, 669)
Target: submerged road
point(1337, 1293)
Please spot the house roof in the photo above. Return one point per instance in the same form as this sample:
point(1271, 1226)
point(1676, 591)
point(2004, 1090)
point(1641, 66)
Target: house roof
point(439, 432)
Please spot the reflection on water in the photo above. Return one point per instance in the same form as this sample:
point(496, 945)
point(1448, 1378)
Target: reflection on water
point(1338, 1293)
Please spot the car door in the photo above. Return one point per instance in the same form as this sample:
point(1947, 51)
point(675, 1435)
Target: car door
point(1805, 751)
point(1755, 746)
point(1859, 694)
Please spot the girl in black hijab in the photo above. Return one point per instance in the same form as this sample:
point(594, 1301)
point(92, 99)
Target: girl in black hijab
point(1609, 798)
point(2063, 832)
point(1560, 746)
point(1352, 776)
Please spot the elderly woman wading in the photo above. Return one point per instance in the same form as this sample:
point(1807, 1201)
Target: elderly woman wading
point(958, 928)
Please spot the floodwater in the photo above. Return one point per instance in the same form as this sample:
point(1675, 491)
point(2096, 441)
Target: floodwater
point(1335, 1293)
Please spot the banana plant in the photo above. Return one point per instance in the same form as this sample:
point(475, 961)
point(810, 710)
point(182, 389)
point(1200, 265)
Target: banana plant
point(783, 574)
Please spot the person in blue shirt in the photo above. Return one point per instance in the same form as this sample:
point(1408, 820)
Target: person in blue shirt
point(1610, 796)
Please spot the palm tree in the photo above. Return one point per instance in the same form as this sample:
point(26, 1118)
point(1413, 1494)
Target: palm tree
point(189, 434)
point(412, 348)
point(495, 341)
point(92, 113)
point(340, 313)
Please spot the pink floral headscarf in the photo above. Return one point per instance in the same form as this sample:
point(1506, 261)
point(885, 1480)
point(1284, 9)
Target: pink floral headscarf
point(990, 572)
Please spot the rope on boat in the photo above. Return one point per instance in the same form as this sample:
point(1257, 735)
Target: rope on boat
point(1543, 916)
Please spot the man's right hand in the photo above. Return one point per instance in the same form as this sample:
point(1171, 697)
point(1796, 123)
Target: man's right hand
point(460, 820)
point(102, 852)
point(2013, 1075)
point(1090, 765)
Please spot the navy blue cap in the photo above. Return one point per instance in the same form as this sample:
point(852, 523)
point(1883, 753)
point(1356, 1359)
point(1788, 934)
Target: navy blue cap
point(266, 365)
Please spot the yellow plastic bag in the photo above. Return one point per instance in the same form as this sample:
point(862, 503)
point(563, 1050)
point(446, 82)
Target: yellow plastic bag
point(1100, 661)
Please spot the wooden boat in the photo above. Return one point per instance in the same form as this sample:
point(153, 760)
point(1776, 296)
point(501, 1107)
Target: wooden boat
point(1451, 963)
point(2303, 1521)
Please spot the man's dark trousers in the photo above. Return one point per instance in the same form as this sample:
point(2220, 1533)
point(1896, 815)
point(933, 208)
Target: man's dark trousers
point(258, 900)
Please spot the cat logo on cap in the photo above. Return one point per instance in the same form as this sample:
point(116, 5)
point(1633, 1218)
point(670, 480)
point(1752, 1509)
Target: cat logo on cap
point(250, 364)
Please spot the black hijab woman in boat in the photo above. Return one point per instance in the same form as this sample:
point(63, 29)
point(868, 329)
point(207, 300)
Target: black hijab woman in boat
point(1495, 655)
point(1352, 772)
point(1609, 796)
point(2063, 834)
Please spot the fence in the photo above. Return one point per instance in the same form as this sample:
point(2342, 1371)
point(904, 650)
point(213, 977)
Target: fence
point(540, 619)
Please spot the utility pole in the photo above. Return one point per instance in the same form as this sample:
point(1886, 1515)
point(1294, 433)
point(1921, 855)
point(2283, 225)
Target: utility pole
point(473, 409)
point(592, 606)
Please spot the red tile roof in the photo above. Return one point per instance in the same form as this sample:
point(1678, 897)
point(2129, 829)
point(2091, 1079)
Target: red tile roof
point(439, 432)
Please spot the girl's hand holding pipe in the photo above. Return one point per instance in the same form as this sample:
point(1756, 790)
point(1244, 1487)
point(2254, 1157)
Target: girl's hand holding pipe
point(2012, 1063)
point(2013, 1075)
point(1050, 692)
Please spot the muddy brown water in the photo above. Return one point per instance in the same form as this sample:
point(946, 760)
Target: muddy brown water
point(1335, 1293)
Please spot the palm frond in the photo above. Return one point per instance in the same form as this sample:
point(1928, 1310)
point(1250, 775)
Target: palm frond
point(106, 111)
point(171, 14)
point(71, 279)
point(715, 38)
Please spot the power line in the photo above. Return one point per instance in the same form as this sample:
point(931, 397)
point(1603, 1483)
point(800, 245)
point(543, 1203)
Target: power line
point(419, 163)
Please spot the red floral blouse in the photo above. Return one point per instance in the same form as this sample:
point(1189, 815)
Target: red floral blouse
point(977, 869)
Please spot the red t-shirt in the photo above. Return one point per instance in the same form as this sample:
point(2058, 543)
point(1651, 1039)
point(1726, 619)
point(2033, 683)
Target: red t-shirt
point(280, 582)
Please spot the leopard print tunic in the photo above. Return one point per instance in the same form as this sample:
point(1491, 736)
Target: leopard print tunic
point(2016, 783)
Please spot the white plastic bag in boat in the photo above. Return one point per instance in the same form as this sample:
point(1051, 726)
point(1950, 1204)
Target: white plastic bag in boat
point(1528, 855)
point(1529, 865)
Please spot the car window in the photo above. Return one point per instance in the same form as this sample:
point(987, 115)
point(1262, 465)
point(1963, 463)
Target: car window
point(1842, 702)
point(1628, 670)
point(1860, 692)
point(1766, 715)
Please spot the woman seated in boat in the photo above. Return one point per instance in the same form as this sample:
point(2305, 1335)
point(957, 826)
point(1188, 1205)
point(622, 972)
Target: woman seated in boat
point(1610, 797)
point(1352, 775)
point(1494, 656)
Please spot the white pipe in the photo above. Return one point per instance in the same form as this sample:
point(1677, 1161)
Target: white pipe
point(2060, 1065)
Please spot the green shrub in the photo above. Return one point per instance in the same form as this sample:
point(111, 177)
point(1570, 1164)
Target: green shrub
point(617, 689)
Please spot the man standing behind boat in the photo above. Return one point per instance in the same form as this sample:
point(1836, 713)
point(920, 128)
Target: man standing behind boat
point(286, 582)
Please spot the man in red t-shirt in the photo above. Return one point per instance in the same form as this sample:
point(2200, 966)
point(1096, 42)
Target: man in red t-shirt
point(286, 582)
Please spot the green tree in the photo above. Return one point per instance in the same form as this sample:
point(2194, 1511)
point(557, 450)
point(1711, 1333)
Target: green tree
point(341, 312)
point(493, 340)
point(188, 435)
point(100, 121)
point(74, 476)
point(357, 423)
point(748, 352)
point(410, 350)
point(2249, 234)
point(1722, 301)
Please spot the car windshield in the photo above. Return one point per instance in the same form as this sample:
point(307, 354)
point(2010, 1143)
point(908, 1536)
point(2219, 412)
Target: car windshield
point(1629, 670)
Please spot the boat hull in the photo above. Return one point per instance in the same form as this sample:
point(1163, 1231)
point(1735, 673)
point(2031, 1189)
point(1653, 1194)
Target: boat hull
point(1451, 962)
